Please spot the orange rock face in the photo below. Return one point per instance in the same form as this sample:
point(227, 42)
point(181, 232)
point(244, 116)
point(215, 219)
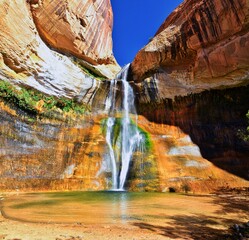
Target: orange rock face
point(213, 120)
point(47, 155)
point(194, 74)
point(201, 45)
point(180, 162)
point(205, 47)
point(82, 28)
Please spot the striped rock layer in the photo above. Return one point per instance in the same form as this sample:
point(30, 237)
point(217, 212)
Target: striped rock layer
point(201, 45)
point(194, 74)
point(30, 59)
point(81, 27)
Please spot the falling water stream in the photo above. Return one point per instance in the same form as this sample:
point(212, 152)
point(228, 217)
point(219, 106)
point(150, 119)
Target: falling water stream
point(130, 136)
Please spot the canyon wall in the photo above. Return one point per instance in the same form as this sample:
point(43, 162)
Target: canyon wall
point(201, 45)
point(190, 82)
point(54, 57)
point(31, 52)
point(49, 154)
point(82, 28)
point(213, 120)
point(71, 153)
point(194, 74)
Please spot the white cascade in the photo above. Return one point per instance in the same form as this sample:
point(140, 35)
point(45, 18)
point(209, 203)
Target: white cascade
point(110, 125)
point(110, 106)
point(130, 135)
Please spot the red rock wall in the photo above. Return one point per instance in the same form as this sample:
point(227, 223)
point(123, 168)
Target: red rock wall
point(189, 75)
point(202, 45)
point(81, 28)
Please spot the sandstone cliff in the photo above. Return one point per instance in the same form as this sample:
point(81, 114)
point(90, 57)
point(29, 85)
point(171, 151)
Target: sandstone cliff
point(52, 155)
point(49, 154)
point(54, 56)
point(194, 74)
point(25, 59)
point(82, 28)
point(201, 45)
point(50, 142)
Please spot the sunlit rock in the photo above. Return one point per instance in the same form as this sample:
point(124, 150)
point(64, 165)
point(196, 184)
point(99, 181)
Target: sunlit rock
point(194, 74)
point(201, 45)
point(180, 164)
point(46, 155)
point(26, 60)
point(82, 28)
point(185, 150)
point(63, 49)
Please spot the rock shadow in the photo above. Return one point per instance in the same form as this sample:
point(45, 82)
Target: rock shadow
point(216, 226)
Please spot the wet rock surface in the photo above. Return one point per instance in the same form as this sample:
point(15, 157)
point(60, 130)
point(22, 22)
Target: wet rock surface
point(49, 154)
point(212, 119)
point(194, 74)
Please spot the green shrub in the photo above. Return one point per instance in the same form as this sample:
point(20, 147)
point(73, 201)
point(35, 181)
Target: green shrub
point(22, 98)
point(247, 133)
point(244, 133)
point(27, 100)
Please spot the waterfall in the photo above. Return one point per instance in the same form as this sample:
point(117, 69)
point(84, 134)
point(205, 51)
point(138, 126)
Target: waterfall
point(130, 137)
point(110, 124)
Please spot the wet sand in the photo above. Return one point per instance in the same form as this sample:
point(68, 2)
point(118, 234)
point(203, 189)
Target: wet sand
point(149, 216)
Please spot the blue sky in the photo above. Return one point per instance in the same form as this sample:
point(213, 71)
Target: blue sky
point(135, 22)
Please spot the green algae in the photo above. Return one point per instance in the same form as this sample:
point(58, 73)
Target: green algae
point(143, 173)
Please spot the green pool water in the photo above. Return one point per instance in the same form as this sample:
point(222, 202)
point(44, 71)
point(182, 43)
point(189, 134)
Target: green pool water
point(108, 207)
